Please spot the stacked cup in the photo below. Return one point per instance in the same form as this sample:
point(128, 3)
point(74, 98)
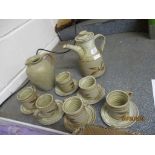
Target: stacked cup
point(27, 98)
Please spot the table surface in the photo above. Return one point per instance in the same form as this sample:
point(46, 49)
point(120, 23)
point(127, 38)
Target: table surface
point(130, 65)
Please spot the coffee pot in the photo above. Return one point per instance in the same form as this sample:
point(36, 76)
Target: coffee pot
point(91, 60)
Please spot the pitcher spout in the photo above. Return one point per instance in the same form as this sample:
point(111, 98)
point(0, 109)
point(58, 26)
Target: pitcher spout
point(75, 48)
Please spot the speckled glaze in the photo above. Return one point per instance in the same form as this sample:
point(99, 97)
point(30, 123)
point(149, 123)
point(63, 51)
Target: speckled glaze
point(91, 60)
point(40, 70)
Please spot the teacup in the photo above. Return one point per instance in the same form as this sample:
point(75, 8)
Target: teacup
point(88, 87)
point(45, 105)
point(118, 103)
point(65, 82)
point(74, 109)
point(27, 97)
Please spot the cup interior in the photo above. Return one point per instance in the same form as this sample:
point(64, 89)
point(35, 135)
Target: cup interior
point(117, 98)
point(63, 77)
point(72, 105)
point(44, 100)
point(25, 93)
point(87, 82)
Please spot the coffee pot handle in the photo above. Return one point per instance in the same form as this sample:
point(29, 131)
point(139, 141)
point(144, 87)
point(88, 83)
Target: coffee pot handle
point(100, 36)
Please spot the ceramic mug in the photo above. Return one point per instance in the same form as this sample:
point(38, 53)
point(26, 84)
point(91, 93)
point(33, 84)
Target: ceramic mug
point(74, 109)
point(45, 105)
point(88, 87)
point(65, 82)
point(118, 103)
point(27, 97)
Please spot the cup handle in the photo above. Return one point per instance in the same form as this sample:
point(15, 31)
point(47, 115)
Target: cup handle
point(36, 113)
point(129, 93)
point(100, 36)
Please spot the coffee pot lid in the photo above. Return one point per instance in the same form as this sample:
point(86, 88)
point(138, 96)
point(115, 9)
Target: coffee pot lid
point(84, 36)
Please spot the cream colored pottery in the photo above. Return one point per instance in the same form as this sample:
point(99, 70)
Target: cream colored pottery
point(46, 103)
point(54, 116)
point(118, 104)
point(65, 84)
point(26, 111)
point(40, 70)
point(77, 113)
point(27, 97)
point(90, 91)
point(91, 60)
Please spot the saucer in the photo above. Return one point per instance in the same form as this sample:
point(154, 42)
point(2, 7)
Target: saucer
point(70, 126)
point(97, 99)
point(59, 92)
point(26, 111)
point(119, 123)
point(55, 117)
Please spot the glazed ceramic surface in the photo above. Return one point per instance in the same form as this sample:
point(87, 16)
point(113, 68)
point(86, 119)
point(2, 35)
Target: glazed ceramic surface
point(91, 60)
point(118, 104)
point(90, 91)
point(65, 84)
point(77, 113)
point(40, 70)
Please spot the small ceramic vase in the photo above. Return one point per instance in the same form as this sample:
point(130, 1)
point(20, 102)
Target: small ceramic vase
point(49, 111)
point(90, 91)
point(41, 71)
point(91, 59)
point(118, 105)
point(77, 113)
point(27, 98)
point(65, 84)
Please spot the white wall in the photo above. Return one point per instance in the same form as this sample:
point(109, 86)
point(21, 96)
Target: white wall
point(19, 39)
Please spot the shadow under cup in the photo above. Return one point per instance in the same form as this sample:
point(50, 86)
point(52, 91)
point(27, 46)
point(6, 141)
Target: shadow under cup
point(75, 110)
point(88, 87)
point(65, 82)
point(118, 104)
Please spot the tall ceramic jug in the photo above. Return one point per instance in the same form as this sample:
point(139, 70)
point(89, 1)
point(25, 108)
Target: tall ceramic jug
point(91, 60)
point(41, 71)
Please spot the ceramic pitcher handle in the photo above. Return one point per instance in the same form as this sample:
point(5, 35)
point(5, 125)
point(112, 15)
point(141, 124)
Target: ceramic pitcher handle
point(49, 54)
point(100, 36)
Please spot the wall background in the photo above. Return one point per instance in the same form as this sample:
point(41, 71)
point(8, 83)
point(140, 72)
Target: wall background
point(19, 39)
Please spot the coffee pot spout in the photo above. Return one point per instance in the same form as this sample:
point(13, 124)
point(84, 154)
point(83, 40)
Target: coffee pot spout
point(75, 48)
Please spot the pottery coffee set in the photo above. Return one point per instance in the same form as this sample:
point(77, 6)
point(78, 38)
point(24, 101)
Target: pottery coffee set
point(76, 110)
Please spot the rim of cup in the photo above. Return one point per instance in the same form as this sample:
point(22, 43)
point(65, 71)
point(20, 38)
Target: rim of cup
point(85, 84)
point(119, 92)
point(69, 101)
point(63, 77)
point(40, 102)
point(22, 93)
